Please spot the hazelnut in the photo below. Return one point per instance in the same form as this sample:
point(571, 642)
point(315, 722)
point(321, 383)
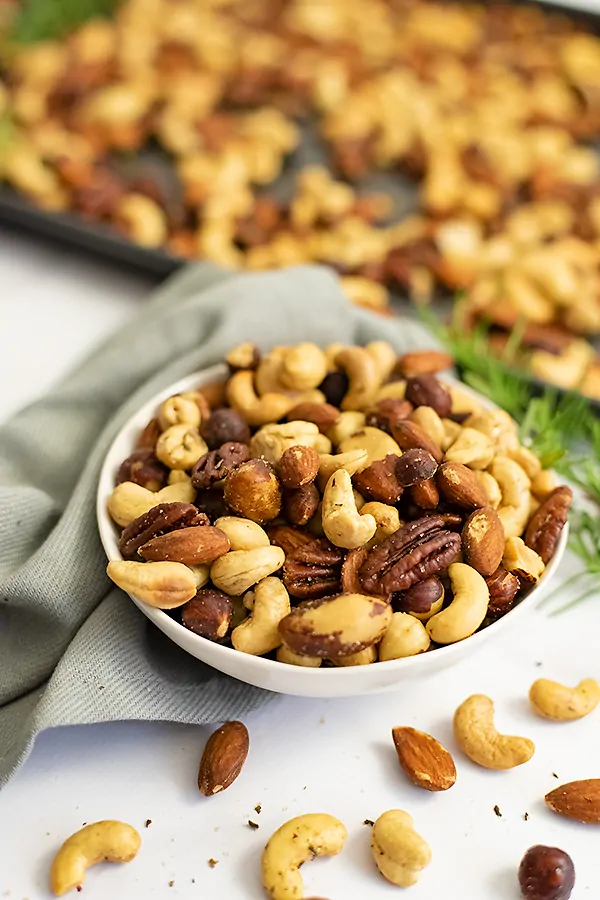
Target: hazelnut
point(298, 466)
point(143, 468)
point(335, 387)
point(419, 598)
point(253, 491)
point(388, 410)
point(415, 466)
point(224, 426)
point(546, 873)
point(426, 390)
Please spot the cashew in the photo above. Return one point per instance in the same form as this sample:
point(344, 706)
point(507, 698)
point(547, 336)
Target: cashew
point(238, 570)
point(178, 476)
point(361, 658)
point(393, 389)
point(552, 700)
point(521, 560)
point(526, 459)
point(463, 403)
point(428, 420)
point(363, 375)
point(358, 499)
point(348, 424)
point(376, 442)
point(129, 500)
point(180, 446)
point(271, 441)
point(543, 484)
point(342, 523)
point(243, 534)
point(467, 610)
point(243, 356)
point(384, 356)
point(287, 655)
point(106, 841)
point(477, 737)
point(294, 843)
point(258, 633)
point(399, 852)
point(178, 410)
point(514, 485)
point(491, 488)
point(497, 424)
point(405, 636)
point(471, 448)
point(353, 461)
point(331, 351)
point(303, 367)
point(165, 585)
point(387, 518)
point(256, 410)
point(451, 431)
point(268, 374)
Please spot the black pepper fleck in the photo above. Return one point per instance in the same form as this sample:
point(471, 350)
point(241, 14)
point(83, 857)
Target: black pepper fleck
point(253, 825)
point(369, 822)
point(258, 809)
point(525, 816)
point(147, 823)
point(554, 775)
point(497, 811)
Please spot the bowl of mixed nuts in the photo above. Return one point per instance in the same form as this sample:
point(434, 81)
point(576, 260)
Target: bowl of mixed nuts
point(328, 522)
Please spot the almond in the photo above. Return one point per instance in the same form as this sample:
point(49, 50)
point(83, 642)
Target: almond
point(224, 755)
point(425, 761)
point(578, 800)
point(421, 362)
point(298, 467)
point(483, 540)
point(460, 486)
point(323, 415)
point(193, 546)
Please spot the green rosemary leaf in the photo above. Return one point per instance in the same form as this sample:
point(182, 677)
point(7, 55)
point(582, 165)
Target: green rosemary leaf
point(39, 20)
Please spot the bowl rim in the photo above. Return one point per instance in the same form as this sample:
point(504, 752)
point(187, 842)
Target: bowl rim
point(172, 628)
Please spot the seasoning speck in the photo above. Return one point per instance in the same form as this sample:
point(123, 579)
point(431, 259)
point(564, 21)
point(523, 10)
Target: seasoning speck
point(554, 775)
point(147, 823)
point(369, 822)
point(497, 811)
point(258, 809)
point(538, 664)
point(171, 883)
point(212, 863)
point(525, 816)
point(253, 825)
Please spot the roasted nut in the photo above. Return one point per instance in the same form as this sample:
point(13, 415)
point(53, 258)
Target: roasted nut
point(363, 658)
point(298, 467)
point(514, 484)
point(426, 390)
point(271, 442)
point(426, 494)
point(579, 800)
point(379, 481)
point(460, 486)
point(503, 587)
point(491, 488)
point(388, 411)
point(212, 504)
point(405, 636)
point(208, 614)
point(543, 484)
point(483, 540)
point(428, 421)
point(467, 610)
point(143, 468)
point(363, 375)
point(193, 546)
point(350, 568)
point(258, 633)
point(546, 873)
point(399, 852)
point(180, 446)
point(253, 491)
point(543, 531)
point(243, 534)
point(106, 841)
point(337, 626)
point(409, 436)
point(223, 757)
point(471, 448)
point(323, 415)
point(303, 367)
point(416, 551)
point(477, 737)
point(312, 570)
point(216, 465)
point(256, 410)
point(224, 426)
point(424, 760)
point(157, 521)
point(296, 842)
point(335, 386)
point(244, 356)
point(348, 424)
point(415, 466)
point(562, 704)
point(165, 585)
point(522, 561)
point(301, 504)
point(285, 655)
point(129, 500)
point(353, 461)
point(423, 600)
point(386, 517)
point(423, 362)
point(178, 410)
point(210, 396)
point(342, 523)
point(238, 570)
point(149, 436)
point(288, 538)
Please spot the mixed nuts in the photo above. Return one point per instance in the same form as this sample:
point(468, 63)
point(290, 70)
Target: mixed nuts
point(331, 510)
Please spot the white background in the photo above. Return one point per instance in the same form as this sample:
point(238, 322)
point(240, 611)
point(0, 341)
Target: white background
point(306, 755)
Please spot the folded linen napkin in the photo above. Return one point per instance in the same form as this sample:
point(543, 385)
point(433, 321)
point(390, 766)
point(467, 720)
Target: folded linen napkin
point(73, 648)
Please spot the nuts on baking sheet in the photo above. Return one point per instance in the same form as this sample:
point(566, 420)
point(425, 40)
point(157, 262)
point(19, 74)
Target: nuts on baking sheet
point(325, 527)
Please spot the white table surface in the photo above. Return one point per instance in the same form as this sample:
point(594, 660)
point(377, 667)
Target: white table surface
point(306, 755)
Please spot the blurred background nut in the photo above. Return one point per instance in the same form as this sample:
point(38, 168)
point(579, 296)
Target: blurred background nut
point(323, 415)
point(387, 411)
point(143, 468)
point(208, 614)
point(180, 446)
point(253, 491)
point(423, 362)
point(224, 426)
point(427, 390)
point(244, 356)
point(178, 410)
point(303, 367)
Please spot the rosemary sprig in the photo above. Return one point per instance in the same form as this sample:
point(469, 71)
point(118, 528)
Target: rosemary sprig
point(39, 20)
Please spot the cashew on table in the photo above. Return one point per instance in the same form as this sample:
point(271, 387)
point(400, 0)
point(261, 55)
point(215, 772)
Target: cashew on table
point(107, 841)
point(294, 843)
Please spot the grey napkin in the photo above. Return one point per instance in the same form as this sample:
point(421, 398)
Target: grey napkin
point(74, 649)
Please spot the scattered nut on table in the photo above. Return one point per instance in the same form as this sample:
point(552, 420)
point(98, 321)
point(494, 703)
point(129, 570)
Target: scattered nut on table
point(106, 841)
point(294, 843)
point(399, 852)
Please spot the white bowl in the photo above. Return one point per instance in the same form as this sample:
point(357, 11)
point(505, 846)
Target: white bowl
point(268, 673)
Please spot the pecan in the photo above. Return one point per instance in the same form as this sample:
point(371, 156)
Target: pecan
point(350, 568)
point(208, 614)
point(426, 390)
point(415, 466)
point(420, 597)
point(379, 480)
point(426, 494)
point(335, 387)
point(301, 505)
point(548, 521)
point(149, 436)
point(159, 520)
point(408, 435)
point(143, 468)
point(388, 411)
point(224, 426)
point(414, 552)
point(217, 464)
point(288, 538)
point(503, 587)
point(314, 570)
point(323, 415)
